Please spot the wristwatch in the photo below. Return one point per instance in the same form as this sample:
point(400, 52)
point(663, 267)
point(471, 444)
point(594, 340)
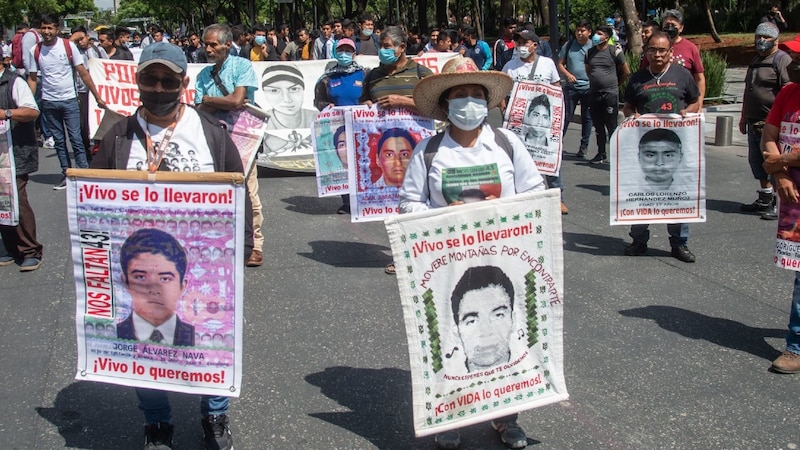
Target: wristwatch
point(7, 113)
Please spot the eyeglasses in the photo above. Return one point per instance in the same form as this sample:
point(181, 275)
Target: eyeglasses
point(169, 83)
point(658, 51)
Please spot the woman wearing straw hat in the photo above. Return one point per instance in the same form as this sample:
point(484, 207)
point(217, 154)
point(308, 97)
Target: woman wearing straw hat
point(462, 95)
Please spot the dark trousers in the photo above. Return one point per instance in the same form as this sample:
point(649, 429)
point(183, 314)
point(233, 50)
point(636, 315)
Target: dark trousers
point(604, 107)
point(83, 107)
point(20, 241)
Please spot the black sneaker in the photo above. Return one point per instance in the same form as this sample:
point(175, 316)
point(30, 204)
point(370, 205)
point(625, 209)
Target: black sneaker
point(448, 440)
point(684, 254)
point(599, 158)
point(511, 434)
point(581, 153)
point(217, 432)
point(61, 184)
point(636, 249)
point(344, 209)
point(762, 203)
point(771, 213)
point(158, 436)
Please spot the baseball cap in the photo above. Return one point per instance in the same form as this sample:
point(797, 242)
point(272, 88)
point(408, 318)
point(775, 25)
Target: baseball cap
point(345, 41)
point(163, 53)
point(527, 32)
point(791, 46)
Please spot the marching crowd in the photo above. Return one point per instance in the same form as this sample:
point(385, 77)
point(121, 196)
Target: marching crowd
point(44, 81)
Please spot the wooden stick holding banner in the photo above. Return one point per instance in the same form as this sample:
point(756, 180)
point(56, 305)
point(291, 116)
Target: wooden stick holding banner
point(158, 264)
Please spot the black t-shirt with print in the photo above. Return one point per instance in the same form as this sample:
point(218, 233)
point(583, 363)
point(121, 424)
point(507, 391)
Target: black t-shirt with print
point(667, 95)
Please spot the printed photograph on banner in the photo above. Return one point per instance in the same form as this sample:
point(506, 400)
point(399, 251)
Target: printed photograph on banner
point(285, 101)
point(535, 114)
point(658, 170)
point(247, 132)
point(787, 249)
point(9, 202)
point(330, 152)
point(380, 148)
point(158, 283)
point(482, 292)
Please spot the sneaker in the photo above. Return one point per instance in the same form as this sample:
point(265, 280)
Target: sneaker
point(636, 249)
point(450, 439)
point(158, 436)
point(7, 260)
point(30, 264)
point(49, 143)
point(61, 184)
point(771, 213)
point(788, 362)
point(684, 254)
point(762, 203)
point(217, 432)
point(599, 158)
point(564, 209)
point(344, 209)
point(581, 153)
point(511, 434)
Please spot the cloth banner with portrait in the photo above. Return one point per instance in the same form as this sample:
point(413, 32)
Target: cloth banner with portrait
point(658, 170)
point(9, 199)
point(536, 113)
point(380, 147)
point(482, 287)
point(159, 278)
point(285, 100)
point(787, 248)
point(330, 152)
point(247, 132)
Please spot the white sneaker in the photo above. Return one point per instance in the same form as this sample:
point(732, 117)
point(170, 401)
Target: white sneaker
point(49, 143)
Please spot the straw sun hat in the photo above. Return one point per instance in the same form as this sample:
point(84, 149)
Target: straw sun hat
point(459, 71)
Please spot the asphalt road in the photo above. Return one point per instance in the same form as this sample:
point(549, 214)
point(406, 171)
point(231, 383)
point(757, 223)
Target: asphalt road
point(659, 353)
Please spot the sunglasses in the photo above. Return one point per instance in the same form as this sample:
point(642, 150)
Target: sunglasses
point(169, 83)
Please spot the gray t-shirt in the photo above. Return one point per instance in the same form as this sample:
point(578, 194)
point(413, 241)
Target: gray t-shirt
point(762, 84)
point(603, 66)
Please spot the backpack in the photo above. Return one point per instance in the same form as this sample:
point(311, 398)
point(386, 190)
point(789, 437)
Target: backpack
point(779, 55)
point(67, 47)
point(16, 48)
point(432, 147)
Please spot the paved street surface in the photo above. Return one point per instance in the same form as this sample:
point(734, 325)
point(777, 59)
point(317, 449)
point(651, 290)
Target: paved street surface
point(659, 353)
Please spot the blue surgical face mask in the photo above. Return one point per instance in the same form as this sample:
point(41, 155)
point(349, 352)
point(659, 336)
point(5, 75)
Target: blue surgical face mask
point(344, 58)
point(596, 39)
point(260, 40)
point(387, 56)
point(367, 32)
point(467, 113)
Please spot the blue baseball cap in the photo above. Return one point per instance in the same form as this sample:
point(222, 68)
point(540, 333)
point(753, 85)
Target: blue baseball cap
point(163, 53)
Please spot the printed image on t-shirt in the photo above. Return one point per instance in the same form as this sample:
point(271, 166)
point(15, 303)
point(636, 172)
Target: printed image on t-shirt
point(471, 184)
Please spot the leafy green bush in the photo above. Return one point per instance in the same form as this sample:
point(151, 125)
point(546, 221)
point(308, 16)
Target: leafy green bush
point(633, 64)
point(715, 66)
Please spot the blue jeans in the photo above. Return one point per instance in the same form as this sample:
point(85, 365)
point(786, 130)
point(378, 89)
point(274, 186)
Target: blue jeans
point(63, 120)
point(155, 405)
point(571, 99)
point(678, 233)
point(793, 336)
point(555, 182)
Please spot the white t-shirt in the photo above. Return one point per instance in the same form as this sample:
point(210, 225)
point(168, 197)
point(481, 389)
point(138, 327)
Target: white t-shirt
point(21, 93)
point(55, 71)
point(546, 71)
point(468, 174)
point(184, 153)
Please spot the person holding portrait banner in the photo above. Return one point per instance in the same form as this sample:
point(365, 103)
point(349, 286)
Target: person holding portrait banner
point(467, 162)
point(160, 136)
point(661, 88)
point(780, 142)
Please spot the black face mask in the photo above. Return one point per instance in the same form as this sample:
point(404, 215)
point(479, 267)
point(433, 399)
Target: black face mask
point(793, 69)
point(671, 30)
point(160, 103)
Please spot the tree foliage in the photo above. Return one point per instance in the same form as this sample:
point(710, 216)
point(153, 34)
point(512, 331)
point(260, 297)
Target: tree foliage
point(13, 12)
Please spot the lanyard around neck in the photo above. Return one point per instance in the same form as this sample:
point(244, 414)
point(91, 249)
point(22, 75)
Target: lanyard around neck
point(156, 154)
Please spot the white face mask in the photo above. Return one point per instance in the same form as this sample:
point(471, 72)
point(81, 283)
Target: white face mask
point(467, 113)
point(524, 52)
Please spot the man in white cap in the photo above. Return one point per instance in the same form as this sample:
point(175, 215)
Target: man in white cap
point(766, 75)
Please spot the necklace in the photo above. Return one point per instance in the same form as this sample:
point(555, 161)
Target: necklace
point(658, 78)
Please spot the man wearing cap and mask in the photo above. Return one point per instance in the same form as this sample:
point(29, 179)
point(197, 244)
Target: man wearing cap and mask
point(684, 52)
point(766, 75)
point(781, 149)
point(18, 110)
point(227, 86)
point(165, 121)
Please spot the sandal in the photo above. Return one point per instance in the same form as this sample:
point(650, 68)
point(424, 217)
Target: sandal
point(389, 269)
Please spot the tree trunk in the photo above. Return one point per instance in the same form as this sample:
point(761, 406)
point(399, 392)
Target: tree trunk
point(543, 13)
point(710, 17)
point(633, 26)
point(422, 16)
point(506, 11)
point(441, 12)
